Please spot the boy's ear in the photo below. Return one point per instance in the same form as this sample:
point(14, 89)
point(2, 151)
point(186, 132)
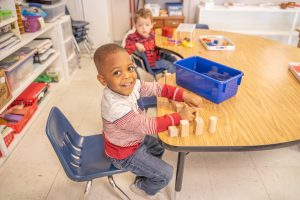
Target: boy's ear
point(101, 79)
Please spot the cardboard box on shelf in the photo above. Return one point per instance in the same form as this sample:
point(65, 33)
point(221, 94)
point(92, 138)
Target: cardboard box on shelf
point(5, 93)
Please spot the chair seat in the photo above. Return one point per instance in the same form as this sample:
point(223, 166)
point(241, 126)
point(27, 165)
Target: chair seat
point(157, 71)
point(82, 157)
point(94, 166)
point(149, 102)
point(79, 23)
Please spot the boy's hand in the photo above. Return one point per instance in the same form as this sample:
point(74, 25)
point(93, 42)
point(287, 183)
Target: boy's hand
point(187, 113)
point(192, 99)
point(140, 47)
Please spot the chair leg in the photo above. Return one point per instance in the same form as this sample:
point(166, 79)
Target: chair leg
point(87, 189)
point(116, 188)
point(77, 51)
point(90, 48)
point(87, 48)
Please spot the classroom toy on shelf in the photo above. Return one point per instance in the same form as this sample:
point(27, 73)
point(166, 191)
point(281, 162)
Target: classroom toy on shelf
point(185, 34)
point(216, 42)
point(295, 69)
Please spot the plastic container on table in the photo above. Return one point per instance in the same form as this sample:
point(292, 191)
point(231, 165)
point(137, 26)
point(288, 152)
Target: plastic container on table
point(209, 79)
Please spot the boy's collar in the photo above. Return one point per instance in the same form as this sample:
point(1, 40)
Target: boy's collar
point(111, 91)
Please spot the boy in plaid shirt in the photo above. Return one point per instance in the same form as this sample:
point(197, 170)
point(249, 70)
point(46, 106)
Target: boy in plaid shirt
point(143, 40)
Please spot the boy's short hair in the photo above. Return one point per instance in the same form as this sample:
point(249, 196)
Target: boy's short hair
point(143, 13)
point(103, 52)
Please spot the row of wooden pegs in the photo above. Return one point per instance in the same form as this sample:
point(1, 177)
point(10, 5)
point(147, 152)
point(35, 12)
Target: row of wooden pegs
point(184, 127)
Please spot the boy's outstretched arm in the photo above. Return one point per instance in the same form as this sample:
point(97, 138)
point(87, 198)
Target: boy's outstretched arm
point(170, 92)
point(138, 122)
point(191, 99)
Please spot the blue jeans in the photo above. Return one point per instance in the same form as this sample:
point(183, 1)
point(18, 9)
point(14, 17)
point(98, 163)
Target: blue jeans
point(166, 62)
point(152, 172)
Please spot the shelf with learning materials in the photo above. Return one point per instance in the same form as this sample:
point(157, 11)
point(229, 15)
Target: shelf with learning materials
point(26, 38)
point(58, 62)
point(8, 21)
point(38, 68)
point(18, 137)
point(269, 22)
point(172, 19)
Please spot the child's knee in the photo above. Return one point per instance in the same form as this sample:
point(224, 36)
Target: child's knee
point(168, 173)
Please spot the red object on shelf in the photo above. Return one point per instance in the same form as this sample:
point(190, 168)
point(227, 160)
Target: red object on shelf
point(31, 93)
point(167, 31)
point(8, 139)
point(18, 126)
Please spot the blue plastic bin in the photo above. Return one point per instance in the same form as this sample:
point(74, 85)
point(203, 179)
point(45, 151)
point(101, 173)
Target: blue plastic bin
point(211, 80)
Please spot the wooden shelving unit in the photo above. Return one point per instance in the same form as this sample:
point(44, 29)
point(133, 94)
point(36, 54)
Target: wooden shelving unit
point(57, 32)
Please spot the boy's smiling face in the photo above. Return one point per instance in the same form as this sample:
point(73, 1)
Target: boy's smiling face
point(118, 73)
point(144, 26)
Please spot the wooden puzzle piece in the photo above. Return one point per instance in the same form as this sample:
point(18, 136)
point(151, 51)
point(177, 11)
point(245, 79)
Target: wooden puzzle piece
point(184, 128)
point(173, 131)
point(199, 126)
point(212, 124)
point(178, 106)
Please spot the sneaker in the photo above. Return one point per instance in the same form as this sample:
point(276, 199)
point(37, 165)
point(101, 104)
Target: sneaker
point(141, 192)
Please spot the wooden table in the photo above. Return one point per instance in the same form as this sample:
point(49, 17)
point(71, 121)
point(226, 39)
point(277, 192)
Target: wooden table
point(298, 29)
point(264, 114)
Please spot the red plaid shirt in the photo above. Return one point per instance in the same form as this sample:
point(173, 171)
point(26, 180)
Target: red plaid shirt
point(149, 44)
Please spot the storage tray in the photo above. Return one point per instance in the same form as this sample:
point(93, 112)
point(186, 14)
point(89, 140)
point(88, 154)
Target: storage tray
point(216, 42)
point(211, 80)
point(294, 67)
point(18, 126)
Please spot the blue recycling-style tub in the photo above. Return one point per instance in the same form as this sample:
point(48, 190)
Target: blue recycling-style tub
point(211, 80)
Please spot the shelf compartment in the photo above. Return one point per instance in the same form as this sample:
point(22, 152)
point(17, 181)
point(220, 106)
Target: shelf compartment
point(31, 78)
point(25, 39)
point(8, 21)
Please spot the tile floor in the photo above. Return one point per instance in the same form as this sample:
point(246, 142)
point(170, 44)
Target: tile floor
point(33, 171)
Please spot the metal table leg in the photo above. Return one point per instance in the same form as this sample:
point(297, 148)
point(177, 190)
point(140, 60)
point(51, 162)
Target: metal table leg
point(179, 174)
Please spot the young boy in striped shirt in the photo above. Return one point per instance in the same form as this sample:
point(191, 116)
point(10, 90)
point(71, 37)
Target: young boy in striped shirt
point(126, 129)
point(143, 40)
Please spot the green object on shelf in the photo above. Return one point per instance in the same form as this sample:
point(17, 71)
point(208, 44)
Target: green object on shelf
point(5, 14)
point(43, 78)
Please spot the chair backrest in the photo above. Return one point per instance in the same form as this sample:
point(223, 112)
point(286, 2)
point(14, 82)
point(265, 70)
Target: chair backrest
point(126, 35)
point(66, 142)
point(140, 60)
point(146, 102)
point(202, 26)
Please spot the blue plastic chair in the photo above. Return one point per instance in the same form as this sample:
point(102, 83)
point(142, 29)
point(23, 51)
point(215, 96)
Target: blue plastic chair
point(202, 26)
point(82, 157)
point(147, 102)
point(140, 60)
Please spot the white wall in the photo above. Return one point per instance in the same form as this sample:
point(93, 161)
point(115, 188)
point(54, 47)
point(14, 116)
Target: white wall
point(98, 13)
point(120, 18)
point(190, 6)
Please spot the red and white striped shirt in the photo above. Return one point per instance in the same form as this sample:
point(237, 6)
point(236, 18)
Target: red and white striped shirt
point(125, 124)
point(151, 51)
